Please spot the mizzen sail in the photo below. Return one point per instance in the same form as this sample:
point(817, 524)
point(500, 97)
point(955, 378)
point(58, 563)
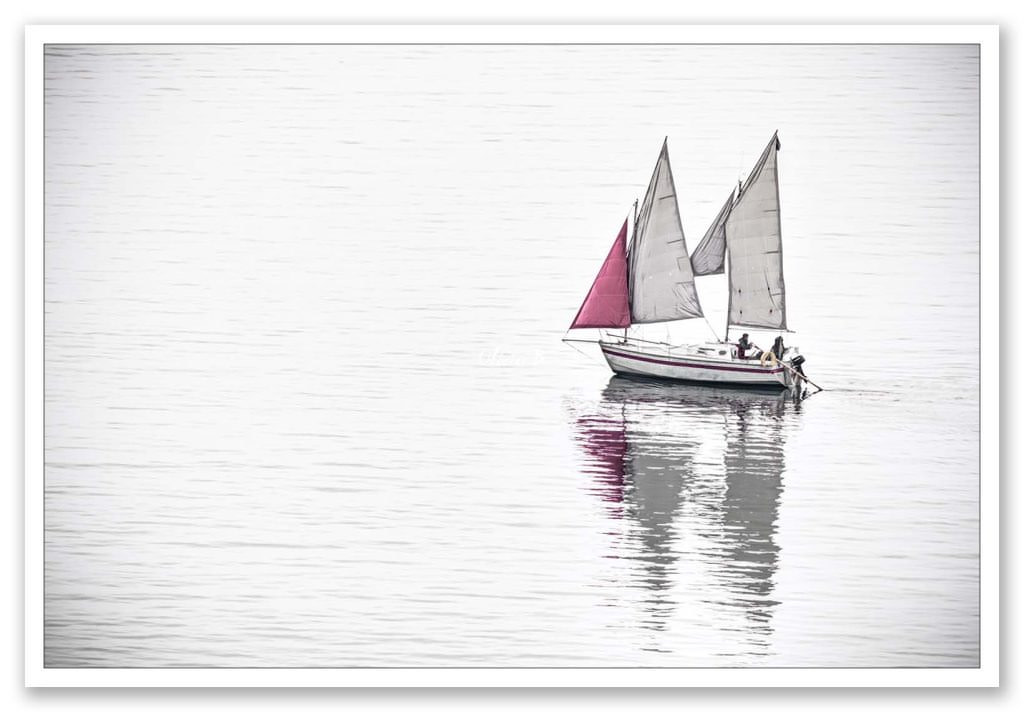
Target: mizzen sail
point(709, 257)
point(660, 276)
point(607, 303)
point(753, 234)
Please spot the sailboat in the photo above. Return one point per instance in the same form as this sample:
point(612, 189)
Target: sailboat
point(652, 280)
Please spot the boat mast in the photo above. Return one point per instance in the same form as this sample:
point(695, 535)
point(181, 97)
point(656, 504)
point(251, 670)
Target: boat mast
point(636, 202)
point(728, 309)
point(728, 270)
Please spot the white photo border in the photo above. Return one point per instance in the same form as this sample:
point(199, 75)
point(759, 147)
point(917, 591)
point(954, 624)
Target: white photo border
point(986, 675)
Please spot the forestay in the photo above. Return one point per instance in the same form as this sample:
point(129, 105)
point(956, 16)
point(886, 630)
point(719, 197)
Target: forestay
point(660, 276)
point(753, 233)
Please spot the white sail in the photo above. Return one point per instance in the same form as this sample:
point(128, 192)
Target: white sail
point(753, 233)
point(660, 277)
point(709, 257)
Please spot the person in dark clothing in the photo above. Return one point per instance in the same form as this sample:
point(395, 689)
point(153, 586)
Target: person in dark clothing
point(742, 346)
point(778, 348)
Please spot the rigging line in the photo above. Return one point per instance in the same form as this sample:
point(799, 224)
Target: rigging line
point(580, 350)
point(712, 330)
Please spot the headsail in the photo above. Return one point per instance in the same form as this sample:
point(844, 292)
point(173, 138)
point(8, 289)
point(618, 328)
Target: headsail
point(709, 257)
point(607, 302)
point(660, 276)
point(753, 233)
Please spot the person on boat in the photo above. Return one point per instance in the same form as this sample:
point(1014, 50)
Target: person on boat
point(778, 348)
point(742, 346)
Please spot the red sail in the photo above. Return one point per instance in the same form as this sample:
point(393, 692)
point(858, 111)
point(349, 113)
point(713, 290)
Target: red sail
point(607, 302)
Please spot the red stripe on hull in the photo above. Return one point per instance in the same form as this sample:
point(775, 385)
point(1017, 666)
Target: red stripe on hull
point(687, 364)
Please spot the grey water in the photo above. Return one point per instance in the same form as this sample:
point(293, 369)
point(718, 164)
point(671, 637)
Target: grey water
point(306, 402)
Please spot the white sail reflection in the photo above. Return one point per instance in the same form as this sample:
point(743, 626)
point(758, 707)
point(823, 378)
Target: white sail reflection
point(692, 477)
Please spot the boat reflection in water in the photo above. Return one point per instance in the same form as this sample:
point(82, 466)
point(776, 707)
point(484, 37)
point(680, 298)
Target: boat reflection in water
point(692, 477)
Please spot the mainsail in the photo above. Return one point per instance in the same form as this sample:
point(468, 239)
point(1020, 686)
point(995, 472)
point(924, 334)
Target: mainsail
point(660, 276)
point(607, 302)
point(753, 234)
point(709, 257)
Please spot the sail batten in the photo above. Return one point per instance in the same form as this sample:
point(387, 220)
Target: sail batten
point(753, 238)
point(661, 284)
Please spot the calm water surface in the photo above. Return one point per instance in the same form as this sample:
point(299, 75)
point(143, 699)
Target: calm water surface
point(307, 405)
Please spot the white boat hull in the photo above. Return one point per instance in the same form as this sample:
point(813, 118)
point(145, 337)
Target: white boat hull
point(690, 364)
